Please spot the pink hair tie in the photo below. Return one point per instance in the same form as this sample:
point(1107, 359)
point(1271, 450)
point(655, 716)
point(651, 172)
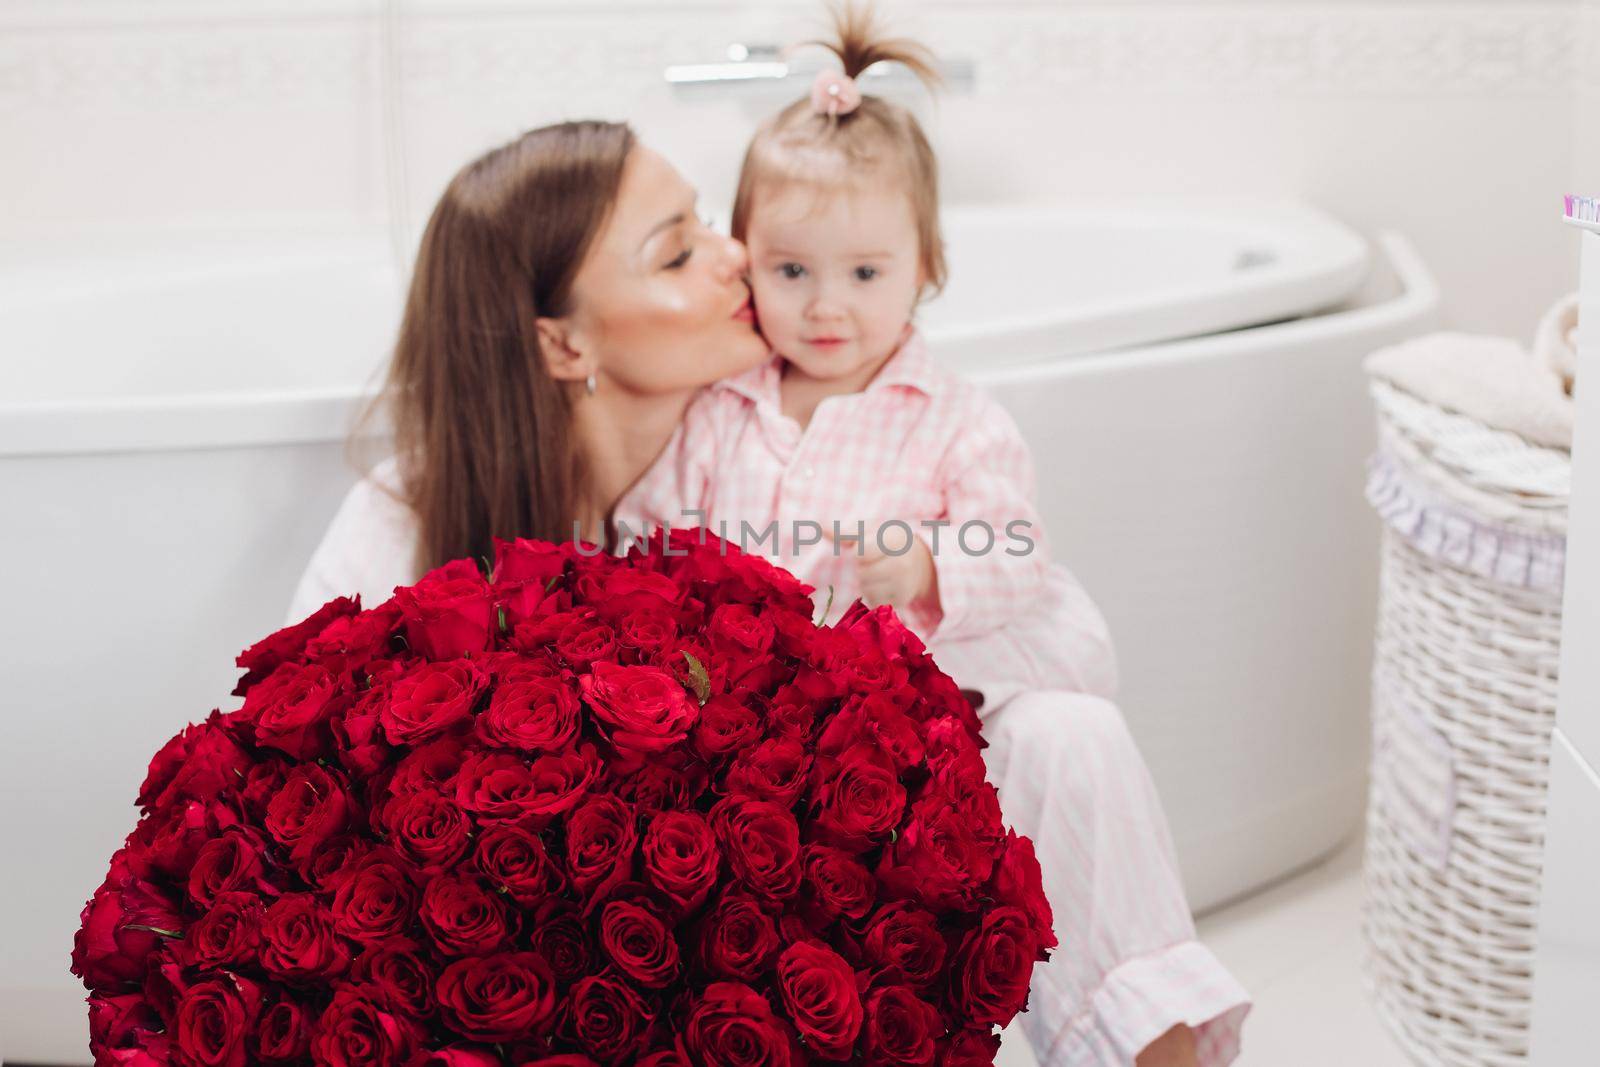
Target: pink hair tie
point(834, 93)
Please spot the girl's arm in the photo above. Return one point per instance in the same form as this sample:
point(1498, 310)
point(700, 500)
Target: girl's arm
point(989, 489)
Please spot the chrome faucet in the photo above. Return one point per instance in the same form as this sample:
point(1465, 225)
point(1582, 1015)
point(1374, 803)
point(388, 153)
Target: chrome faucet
point(765, 64)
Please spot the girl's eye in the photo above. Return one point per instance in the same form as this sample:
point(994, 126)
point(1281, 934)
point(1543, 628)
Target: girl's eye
point(866, 274)
point(791, 270)
point(680, 259)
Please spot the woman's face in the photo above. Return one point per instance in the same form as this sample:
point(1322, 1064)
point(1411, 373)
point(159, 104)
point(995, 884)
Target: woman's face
point(661, 303)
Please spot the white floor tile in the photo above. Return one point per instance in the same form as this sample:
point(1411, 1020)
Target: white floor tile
point(1297, 947)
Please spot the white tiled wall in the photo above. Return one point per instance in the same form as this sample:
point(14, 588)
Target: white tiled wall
point(1451, 121)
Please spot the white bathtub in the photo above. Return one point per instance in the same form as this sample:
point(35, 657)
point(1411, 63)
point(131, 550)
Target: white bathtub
point(171, 423)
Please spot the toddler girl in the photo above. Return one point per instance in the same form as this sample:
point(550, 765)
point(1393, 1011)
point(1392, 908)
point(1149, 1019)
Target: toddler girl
point(856, 462)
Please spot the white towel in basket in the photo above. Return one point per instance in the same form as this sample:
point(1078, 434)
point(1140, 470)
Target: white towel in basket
point(1491, 379)
point(1555, 342)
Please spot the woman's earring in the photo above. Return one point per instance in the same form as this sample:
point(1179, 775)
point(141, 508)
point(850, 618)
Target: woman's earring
point(589, 384)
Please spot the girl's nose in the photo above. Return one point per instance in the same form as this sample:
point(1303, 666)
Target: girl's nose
point(822, 304)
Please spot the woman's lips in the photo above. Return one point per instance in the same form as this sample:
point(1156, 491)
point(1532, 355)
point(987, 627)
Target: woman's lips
point(746, 312)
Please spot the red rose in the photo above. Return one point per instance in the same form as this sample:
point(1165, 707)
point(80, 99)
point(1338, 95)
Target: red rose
point(1019, 883)
point(523, 571)
point(533, 713)
point(762, 844)
point(731, 1025)
point(462, 918)
point(819, 989)
point(858, 799)
point(310, 807)
point(214, 1017)
point(298, 940)
point(428, 829)
point(994, 965)
point(879, 628)
point(609, 1019)
point(628, 589)
point(738, 631)
point(581, 640)
point(937, 858)
point(876, 720)
point(641, 709)
point(430, 699)
point(835, 884)
point(969, 1048)
point(561, 936)
point(230, 861)
point(263, 657)
point(600, 845)
point(290, 710)
point(738, 938)
point(349, 645)
point(283, 1033)
point(355, 1031)
point(565, 1059)
point(165, 765)
point(229, 933)
point(681, 857)
point(431, 766)
point(904, 944)
point(398, 975)
point(166, 843)
point(358, 736)
point(213, 763)
point(376, 901)
point(901, 1027)
point(120, 927)
point(500, 787)
point(505, 997)
point(448, 613)
point(636, 938)
point(335, 860)
point(663, 1058)
point(672, 781)
point(261, 783)
point(119, 1023)
point(724, 727)
point(514, 860)
point(648, 629)
point(458, 1056)
point(774, 770)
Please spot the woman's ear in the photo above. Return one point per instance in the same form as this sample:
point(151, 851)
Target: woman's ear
point(564, 355)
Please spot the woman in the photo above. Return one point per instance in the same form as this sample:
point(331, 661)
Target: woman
point(566, 305)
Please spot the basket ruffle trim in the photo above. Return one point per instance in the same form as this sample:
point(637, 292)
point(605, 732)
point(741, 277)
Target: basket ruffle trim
point(1448, 532)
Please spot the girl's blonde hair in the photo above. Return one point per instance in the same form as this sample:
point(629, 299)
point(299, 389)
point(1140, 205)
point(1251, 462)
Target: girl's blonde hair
point(799, 145)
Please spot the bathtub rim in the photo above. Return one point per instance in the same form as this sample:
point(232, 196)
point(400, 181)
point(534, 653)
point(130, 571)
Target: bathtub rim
point(305, 416)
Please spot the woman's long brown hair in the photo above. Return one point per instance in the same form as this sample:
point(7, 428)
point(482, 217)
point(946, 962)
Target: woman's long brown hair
point(483, 435)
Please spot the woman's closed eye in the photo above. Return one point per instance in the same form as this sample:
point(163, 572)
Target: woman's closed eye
point(680, 259)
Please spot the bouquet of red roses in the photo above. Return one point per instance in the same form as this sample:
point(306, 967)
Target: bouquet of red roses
point(586, 810)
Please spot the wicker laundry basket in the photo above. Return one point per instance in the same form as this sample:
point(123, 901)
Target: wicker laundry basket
point(1464, 700)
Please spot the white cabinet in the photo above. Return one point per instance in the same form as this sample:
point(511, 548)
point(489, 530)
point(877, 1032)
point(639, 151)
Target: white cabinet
point(1567, 975)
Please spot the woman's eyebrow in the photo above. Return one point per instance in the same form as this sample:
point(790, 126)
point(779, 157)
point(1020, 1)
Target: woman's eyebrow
point(664, 224)
point(675, 220)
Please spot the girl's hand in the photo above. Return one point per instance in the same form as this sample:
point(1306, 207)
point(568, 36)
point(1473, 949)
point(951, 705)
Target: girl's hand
point(896, 580)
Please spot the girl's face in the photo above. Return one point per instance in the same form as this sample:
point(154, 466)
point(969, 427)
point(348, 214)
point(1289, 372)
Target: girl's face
point(660, 304)
point(835, 275)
